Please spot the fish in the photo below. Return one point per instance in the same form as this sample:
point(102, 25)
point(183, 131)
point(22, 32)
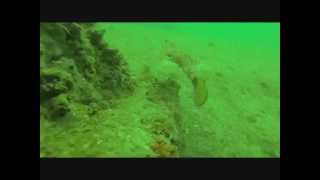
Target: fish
point(200, 91)
point(187, 64)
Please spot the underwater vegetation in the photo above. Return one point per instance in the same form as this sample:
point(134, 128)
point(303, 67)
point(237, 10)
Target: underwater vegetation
point(124, 90)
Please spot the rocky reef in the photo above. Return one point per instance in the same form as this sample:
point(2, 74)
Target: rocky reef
point(80, 75)
point(77, 66)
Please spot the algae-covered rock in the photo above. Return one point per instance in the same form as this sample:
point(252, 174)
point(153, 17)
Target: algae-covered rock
point(53, 82)
point(59, 106)
point(96, 39)
point(77, 52)
point(80, 76)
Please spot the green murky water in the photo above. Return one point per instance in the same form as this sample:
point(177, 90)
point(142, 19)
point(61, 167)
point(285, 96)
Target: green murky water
point(200, 90)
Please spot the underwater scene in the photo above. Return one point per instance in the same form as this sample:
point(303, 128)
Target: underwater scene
point(168, 90)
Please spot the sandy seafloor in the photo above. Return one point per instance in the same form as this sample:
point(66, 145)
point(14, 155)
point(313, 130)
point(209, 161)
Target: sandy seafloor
point(241, 64)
